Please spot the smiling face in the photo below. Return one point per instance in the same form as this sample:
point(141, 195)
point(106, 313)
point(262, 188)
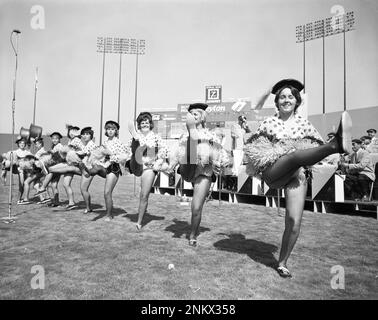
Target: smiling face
point(286, 102)
point(22, 145)
point(145, 125)
point(55, 140)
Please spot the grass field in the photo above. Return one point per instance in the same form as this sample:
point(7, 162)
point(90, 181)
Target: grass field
point(85, 257)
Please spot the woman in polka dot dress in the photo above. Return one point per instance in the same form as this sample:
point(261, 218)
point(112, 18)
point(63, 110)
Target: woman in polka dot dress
point(149, 157)
point(283, 146)
point(119, 153)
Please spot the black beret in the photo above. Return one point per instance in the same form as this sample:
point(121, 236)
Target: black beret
point(21, 139)
point(111, 122)
point(287, 82)
point(86, 129)
point(144, 115)
point(372, 130)
point(201, 106)
point(72, 128)
point(56, 134)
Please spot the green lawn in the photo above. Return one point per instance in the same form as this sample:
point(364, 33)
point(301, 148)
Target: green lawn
point(85, 257)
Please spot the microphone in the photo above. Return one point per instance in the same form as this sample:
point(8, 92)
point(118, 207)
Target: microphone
point(17, 31)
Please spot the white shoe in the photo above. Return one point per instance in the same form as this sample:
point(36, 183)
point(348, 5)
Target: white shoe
point(344, 133)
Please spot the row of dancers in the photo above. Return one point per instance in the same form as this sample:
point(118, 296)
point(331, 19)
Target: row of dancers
point(282, 151)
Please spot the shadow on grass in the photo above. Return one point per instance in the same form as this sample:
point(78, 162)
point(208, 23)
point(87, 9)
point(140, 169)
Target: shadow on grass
point(258, 251)
point(179, 228)
point(115, 211)
point(147, 218)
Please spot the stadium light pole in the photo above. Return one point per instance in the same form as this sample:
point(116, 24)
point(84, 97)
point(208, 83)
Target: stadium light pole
point(35, 94)
point(104, 45)
point(137, 47)
point(321, 29)
point(121, 46)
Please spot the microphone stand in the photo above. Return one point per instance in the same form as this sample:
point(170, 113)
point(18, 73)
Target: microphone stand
point(11, 219)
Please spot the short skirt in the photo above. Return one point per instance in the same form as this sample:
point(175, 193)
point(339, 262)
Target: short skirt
point(262, 151)
point(114, 168)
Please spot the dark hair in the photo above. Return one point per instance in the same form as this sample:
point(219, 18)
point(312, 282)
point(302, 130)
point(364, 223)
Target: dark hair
point(69, 128)
point(294, 92)
point(107, 125)
point(22, 140)
point(143, 116)
point(242, 118)
point(40, 140)
point(89, 131)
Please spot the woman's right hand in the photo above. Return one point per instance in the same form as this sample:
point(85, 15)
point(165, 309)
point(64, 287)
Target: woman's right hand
point(132, 130)
point(190, 121)
point(191, 126)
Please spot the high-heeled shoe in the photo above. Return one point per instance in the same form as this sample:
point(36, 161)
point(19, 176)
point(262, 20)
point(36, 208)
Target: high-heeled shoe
point(284, 272)
point(138, 226)
point(193, 242)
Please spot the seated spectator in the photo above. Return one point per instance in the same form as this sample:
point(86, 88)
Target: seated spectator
point(359, 172)
point(373, 146)
point(366, 140)
point(238, 132)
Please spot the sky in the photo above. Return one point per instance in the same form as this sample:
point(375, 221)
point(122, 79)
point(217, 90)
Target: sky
point(245, 46)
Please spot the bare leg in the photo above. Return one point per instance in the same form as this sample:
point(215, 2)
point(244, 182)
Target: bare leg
point(110, 182)
point(295, 200)
point(147, 179)
point(84, 187)
point(200, 192)
point(54, 187)
point(64, 168)
point(289, 163)
point(67, 179)
point(21, 179)
point(46, 181)
point(28, 181)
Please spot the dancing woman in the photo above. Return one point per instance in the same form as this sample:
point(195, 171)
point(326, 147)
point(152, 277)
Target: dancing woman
point(283, 149)
point(201, 156)
point(55, 156)
point(149, 154)
point(75, 145)
point(18, 156)
point(32, 173)
point(86, 179)
point(118, 154)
